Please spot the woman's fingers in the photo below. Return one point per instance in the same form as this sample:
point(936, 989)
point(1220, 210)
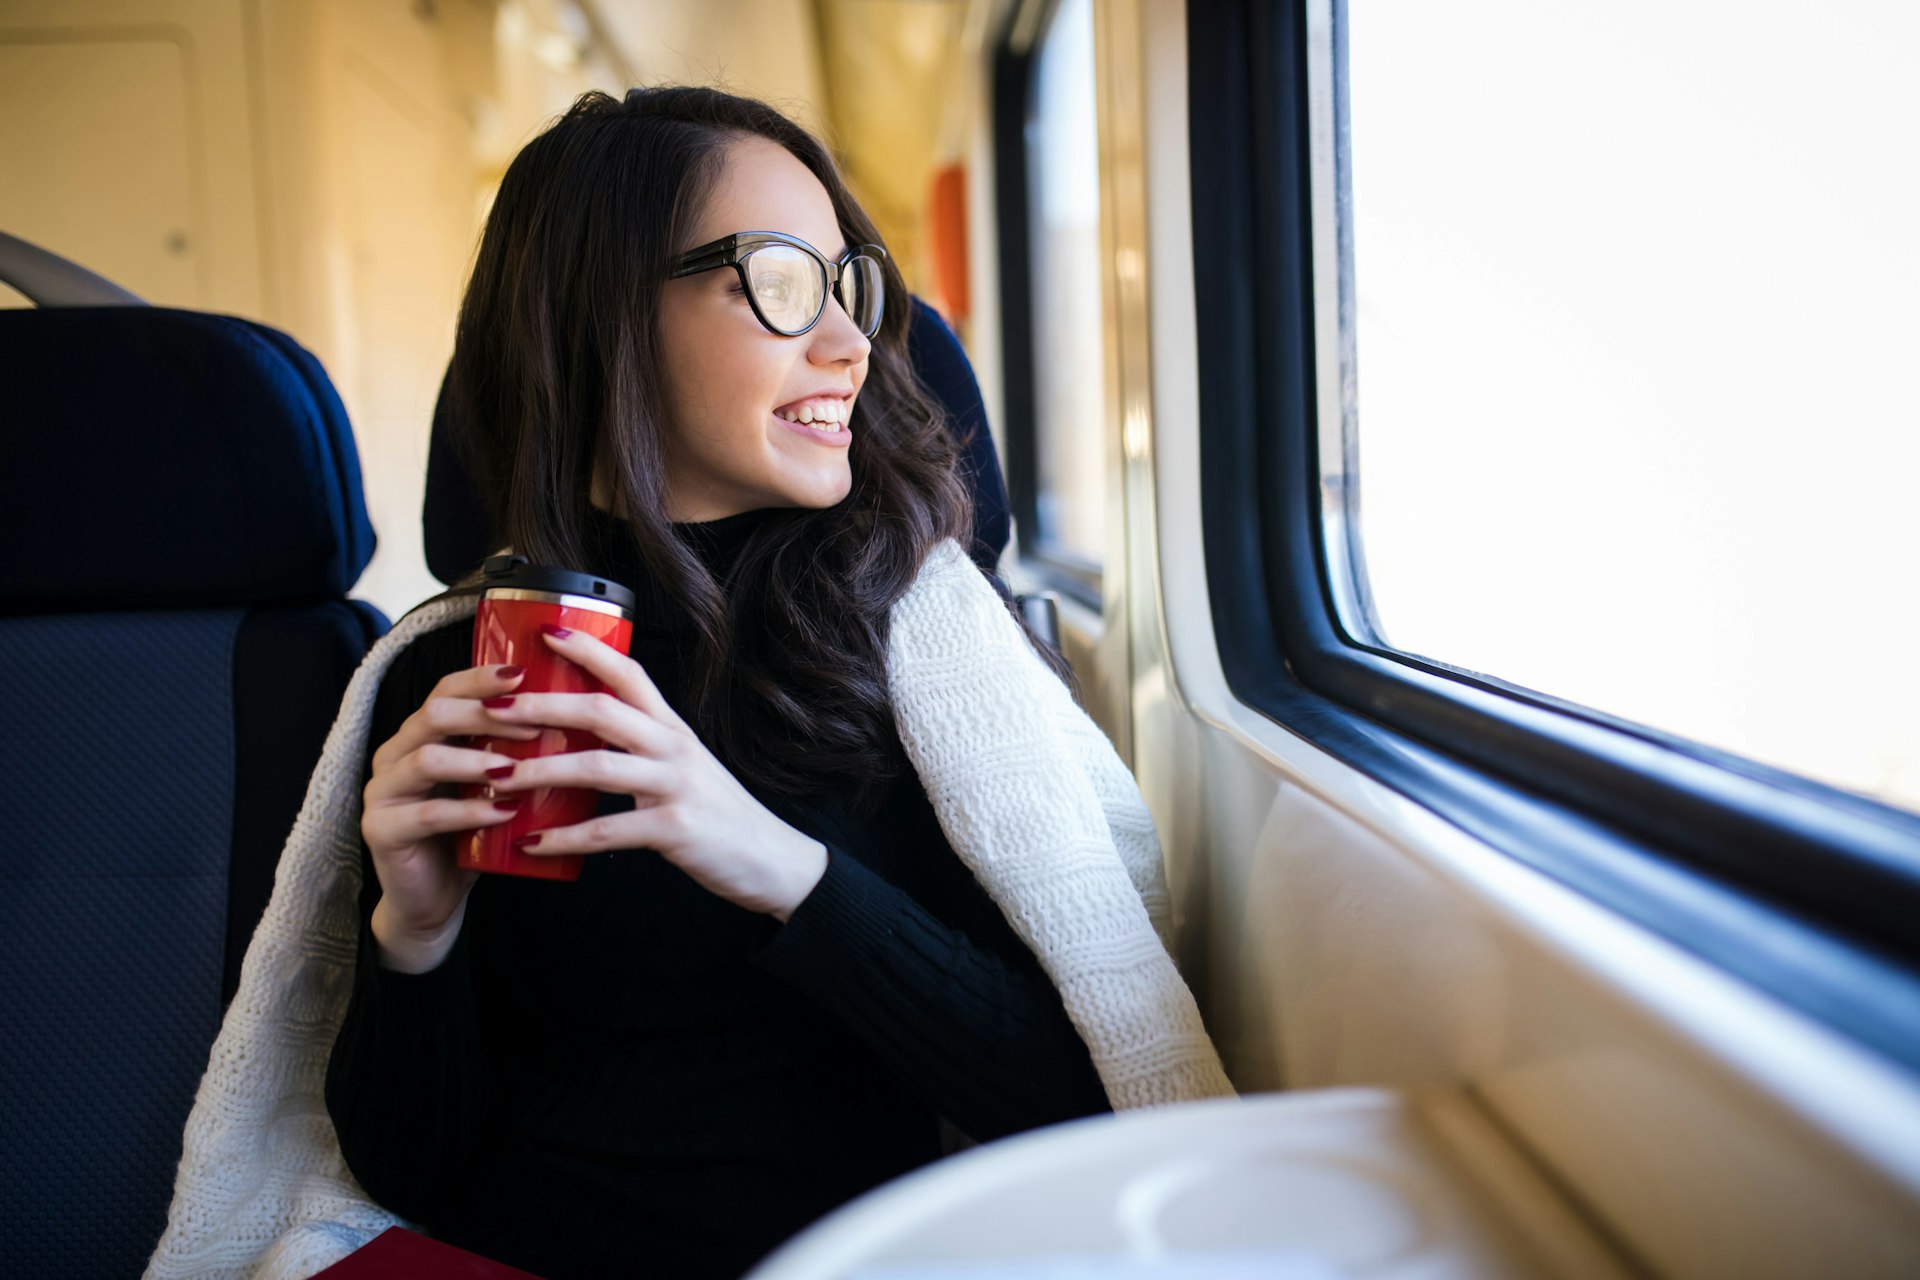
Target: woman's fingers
point(452, 710)
point(428, 765)
point(627, 679)
point(604, 715)
point(611, 771)
point(399, 826)
point(661, 826)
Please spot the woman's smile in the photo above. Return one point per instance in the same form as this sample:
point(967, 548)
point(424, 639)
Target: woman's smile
point(818, 408)
point(823, 417)
point(825, 431)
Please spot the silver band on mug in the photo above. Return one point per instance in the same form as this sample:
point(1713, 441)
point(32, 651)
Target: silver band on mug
point(587, 604)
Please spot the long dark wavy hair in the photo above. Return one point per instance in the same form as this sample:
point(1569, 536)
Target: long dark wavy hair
point(557, 363)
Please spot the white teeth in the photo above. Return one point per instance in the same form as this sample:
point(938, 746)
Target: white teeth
point(826, 414)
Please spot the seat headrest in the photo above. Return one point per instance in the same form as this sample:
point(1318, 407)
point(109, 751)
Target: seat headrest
point(151, 457)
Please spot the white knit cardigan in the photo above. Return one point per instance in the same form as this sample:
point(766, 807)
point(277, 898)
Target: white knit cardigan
point(1027, 789)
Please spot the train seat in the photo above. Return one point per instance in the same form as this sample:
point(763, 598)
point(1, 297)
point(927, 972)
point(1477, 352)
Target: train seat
point(182, 518)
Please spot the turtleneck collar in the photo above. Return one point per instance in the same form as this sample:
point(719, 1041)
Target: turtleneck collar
point(717, 543)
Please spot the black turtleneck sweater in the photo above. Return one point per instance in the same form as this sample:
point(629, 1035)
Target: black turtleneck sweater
point(627, 1075)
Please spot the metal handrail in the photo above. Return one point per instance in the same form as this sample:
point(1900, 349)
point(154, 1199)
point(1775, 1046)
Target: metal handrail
point(48, 280)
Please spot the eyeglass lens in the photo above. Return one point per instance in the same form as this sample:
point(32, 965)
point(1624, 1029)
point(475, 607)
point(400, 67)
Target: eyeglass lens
point(788, 285)
point(863, 291)
point(790, 288)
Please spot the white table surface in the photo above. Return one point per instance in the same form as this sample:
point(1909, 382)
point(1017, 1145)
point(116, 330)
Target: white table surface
point(1297, 1186)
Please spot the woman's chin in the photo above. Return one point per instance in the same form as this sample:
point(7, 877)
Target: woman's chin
point(830, 491)
point(833, 495)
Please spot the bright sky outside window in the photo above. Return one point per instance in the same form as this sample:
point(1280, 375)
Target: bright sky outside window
point(1068, 322)
point(1636, 336)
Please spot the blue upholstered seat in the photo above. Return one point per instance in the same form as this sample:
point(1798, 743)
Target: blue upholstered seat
point(181, 519)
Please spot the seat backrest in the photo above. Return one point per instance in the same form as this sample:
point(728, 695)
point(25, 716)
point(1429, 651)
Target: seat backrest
point(457, 536)
point(181, 518)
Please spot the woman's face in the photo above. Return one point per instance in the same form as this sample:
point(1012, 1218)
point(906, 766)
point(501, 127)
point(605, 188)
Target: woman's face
point(731, 383)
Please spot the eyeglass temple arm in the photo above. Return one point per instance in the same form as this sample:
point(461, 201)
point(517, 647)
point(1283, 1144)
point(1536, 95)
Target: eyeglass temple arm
point(726, 252)
point(705, 262)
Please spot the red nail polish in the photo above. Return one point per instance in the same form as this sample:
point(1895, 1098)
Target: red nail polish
point(558, 633)
point(525, 843)
point(508, 804)
point(504, 771)
point(497, 703)
point(510, 673)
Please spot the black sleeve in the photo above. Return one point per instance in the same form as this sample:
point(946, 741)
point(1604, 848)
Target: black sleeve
point(406, 1082)
point(981, 1035)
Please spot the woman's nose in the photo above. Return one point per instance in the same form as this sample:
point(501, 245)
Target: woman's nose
point(837, 338)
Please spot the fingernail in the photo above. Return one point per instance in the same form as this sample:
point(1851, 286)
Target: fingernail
point(509, 804)
point(524, 843)
point(558, 633)
point(504, 771)
point(497, 703)
point(510, 673)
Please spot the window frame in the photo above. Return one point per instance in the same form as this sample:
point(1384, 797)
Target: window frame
point(1014, 89)
point(1802, 889)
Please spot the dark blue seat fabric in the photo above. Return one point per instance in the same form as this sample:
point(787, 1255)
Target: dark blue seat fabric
point(181, 507)
point(115, 896)
point(941, 362)
point(192, 498)
point(457, 536)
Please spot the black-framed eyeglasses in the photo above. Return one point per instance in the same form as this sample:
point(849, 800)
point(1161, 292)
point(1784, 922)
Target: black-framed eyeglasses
point(786, 279)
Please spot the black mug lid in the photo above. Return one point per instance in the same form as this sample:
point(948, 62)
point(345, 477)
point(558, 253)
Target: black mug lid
point(517, 573)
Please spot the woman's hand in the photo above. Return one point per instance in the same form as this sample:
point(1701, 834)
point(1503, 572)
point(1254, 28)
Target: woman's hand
point(687, 806)
point(408, 820)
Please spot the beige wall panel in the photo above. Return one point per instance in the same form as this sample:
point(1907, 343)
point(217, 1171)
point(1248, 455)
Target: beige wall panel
point(890, 70)
point(969, 124)
point(110, 118)
point(85, 126)
point(368, 117)
point(762, 48)
point(124, 114)
point(404, 230)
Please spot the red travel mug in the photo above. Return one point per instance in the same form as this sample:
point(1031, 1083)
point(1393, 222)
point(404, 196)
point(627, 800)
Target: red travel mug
point(520, 598)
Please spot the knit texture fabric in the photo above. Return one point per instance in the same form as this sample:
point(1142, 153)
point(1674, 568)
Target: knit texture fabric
point(992, 735)
point(1028, 791)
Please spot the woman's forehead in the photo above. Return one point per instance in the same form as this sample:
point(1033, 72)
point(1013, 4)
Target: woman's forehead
point(764, 187)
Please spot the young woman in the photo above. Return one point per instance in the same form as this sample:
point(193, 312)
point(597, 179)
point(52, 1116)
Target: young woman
point(681, 364)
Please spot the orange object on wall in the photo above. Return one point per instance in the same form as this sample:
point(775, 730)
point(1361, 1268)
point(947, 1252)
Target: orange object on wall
point(947, 243)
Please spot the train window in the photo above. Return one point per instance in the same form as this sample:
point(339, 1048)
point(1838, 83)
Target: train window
point(1633, 330)
point(1051, 275)
point(1610, 352)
